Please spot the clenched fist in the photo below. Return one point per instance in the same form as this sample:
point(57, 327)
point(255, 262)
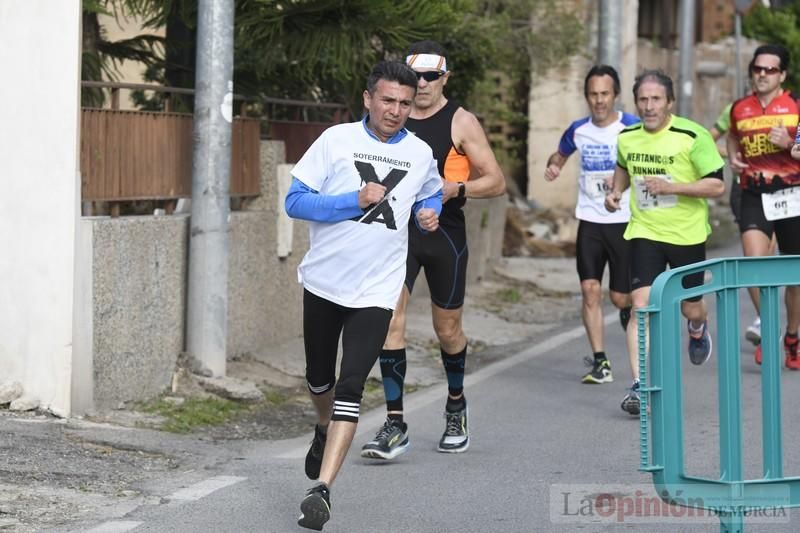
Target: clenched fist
point(370, 194)
point(428, 219)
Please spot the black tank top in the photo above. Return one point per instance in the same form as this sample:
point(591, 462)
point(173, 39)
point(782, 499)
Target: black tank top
point(437, 131)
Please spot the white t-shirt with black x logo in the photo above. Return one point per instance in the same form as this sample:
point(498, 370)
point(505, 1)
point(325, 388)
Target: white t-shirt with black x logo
point(361, 262)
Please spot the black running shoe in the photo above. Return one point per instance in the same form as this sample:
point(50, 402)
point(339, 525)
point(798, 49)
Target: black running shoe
point(315, 453)
point(390, 441)
point(315, 507)
point(624, 317)
point(455, 438)
point(600, 373)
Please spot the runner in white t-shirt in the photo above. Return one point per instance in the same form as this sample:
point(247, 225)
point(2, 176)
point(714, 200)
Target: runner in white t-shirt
point(358, 184)
point(599, 232)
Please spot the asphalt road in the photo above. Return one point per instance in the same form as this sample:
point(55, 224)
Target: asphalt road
point(539, 441)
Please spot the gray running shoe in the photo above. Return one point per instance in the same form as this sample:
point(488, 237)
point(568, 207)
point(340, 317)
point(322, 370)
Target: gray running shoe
point(315, 507)
point(700, 347)
point(455, 438)
point(600, 373)
point(630, 403)
point(390, 441)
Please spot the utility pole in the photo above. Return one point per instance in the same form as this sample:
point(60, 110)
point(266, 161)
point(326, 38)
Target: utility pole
point(685, 71)
point(741, 5)
point(609, 34)
point(207, 299)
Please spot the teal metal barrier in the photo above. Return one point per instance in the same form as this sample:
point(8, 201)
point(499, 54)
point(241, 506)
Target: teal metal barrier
point(661, 421)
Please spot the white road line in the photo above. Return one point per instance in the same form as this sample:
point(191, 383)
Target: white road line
point(369, 421)
point(204, 488)
point(116, 526)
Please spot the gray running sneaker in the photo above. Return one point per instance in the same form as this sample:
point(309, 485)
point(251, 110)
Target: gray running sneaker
point(315, 507)
point(455, 438)
point(700, 347)
point(600, 373)
point(390, 441)
point(630, 403)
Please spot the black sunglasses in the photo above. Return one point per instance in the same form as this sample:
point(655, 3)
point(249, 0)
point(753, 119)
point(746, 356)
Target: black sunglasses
point(429, 76)
point(755, 69)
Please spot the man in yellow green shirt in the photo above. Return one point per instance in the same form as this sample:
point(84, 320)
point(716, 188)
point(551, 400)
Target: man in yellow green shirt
point(672, 166)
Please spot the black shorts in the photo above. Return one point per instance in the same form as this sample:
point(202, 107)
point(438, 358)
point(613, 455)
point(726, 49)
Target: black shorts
point(786, 230)
point(736, 200)
point(598, 244)
point(443, 254)
point(651, 258)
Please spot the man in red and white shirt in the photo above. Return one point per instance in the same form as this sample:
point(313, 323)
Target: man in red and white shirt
point(763, 128)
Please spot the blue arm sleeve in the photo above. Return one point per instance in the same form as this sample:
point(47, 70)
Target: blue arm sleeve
point(434, 202)
point(305, 203)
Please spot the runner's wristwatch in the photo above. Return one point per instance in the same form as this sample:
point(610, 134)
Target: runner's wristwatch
point(462, 190)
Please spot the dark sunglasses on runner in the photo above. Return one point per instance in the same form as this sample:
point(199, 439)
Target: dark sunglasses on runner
point(755, 69)
point(429, 76)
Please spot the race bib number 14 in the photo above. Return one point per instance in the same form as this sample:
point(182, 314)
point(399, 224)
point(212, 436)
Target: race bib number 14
point(781, 204)
point(645, 200)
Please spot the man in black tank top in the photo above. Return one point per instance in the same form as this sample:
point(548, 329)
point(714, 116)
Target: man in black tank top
point(469, 170)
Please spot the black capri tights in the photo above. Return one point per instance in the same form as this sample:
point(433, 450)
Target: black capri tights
point(363, 331)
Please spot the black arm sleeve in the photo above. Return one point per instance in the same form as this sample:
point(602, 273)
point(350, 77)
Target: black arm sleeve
point(716, 174)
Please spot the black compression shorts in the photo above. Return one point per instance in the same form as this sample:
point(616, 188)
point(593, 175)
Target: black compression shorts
point(362, 332)
point(598, 244)
point(443, 254)
point(651, 258)
point(787, 230)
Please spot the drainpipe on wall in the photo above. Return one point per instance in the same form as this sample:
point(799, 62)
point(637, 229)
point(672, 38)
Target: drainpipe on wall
point(207, 294)
point(609, 34)
point(686, 32)
point(739, 90)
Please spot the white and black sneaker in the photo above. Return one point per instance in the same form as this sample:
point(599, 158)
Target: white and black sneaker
point(753, 332)
point(390, 441)
point(456, 435)
point(315, 507)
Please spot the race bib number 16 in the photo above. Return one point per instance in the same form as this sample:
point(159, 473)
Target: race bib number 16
point(598, 183)
point(646, 201)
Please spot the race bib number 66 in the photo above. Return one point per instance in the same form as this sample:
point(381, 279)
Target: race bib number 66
point(645, 200)
point(784, 203)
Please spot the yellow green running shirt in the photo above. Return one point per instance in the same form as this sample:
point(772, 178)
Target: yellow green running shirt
point(682, 152)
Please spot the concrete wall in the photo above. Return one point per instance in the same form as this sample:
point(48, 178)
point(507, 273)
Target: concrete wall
point(138, 304)
point(486, 223)
point(264, 298)
point(39, 205)
point(135, 294)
